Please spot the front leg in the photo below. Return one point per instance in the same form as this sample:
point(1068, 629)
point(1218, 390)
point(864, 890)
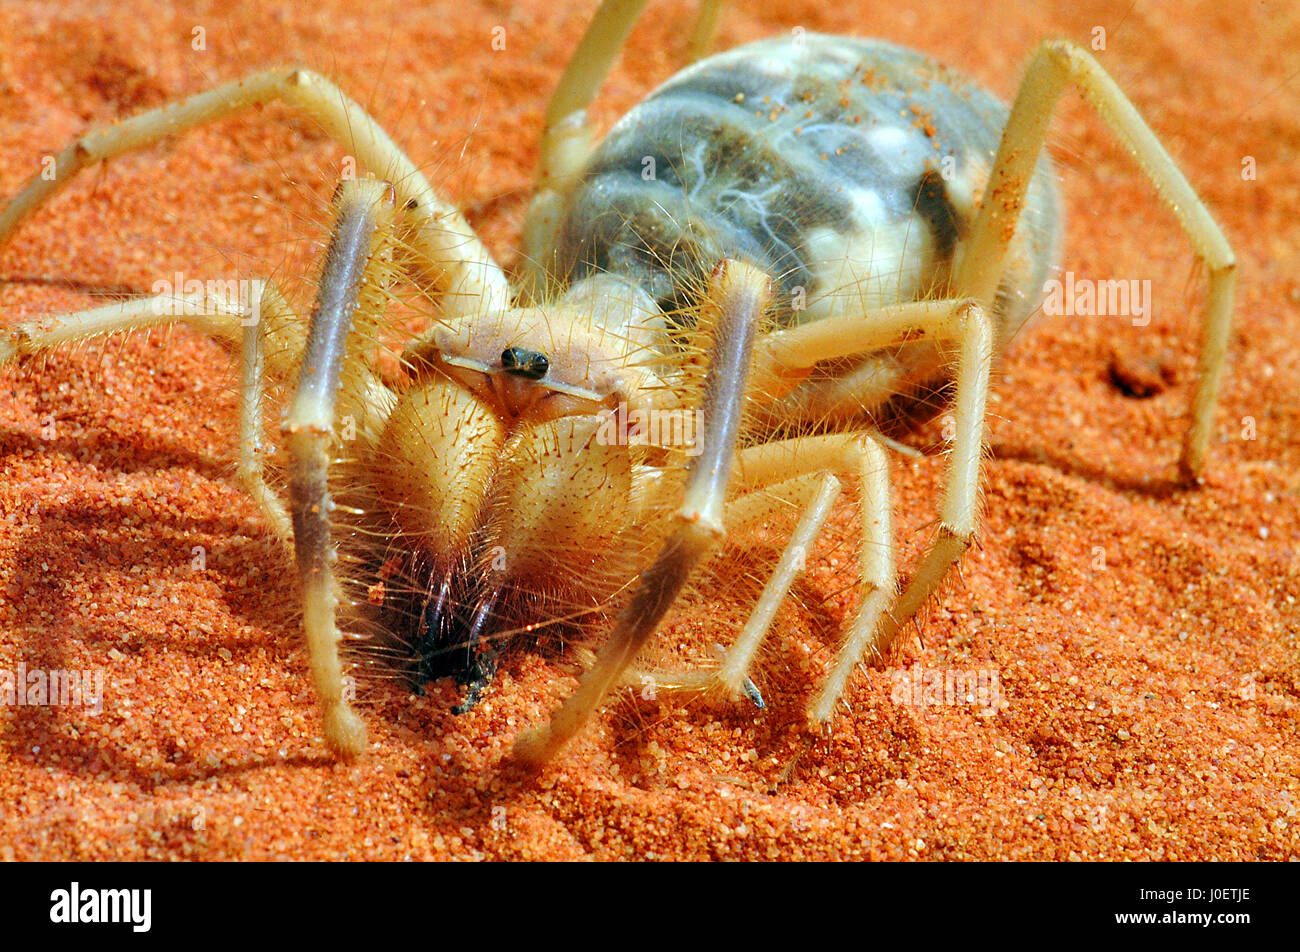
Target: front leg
point(364, 220)
point(969, 324)
point(736, 300)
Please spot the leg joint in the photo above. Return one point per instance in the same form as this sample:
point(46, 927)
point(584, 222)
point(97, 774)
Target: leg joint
point(950, 537)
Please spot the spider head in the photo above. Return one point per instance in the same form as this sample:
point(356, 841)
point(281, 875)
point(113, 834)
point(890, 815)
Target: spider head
point(500, 455)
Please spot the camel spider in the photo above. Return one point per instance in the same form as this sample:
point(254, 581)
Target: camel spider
point(776, 243)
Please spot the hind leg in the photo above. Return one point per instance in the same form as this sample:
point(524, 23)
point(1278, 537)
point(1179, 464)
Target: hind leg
point(1056, 66)
point(567, 140)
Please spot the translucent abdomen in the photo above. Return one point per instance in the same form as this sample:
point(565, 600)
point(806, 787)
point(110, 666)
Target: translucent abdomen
point(848, 169)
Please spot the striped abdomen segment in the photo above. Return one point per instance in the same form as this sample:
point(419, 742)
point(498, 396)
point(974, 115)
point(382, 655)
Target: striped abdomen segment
point(847, 169)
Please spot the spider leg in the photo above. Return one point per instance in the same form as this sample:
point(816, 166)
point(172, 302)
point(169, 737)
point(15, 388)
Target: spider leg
point(445, 247)
point(364, 218)
point(249, 323)
point(969, 324)
point(806, 468)
point(567, 140)
point(252, 448)
point(734, 304)
point(706, 26)
point(965, 322)
point(783, 354)
point(842, 453)
point(1056, 65)
point(814, 493)
point(785, 358)
point(781, 357)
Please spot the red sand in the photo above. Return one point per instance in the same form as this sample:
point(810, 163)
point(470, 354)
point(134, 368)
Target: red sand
point(1144, 636)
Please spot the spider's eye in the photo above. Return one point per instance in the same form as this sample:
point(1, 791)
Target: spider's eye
point(528, 364)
